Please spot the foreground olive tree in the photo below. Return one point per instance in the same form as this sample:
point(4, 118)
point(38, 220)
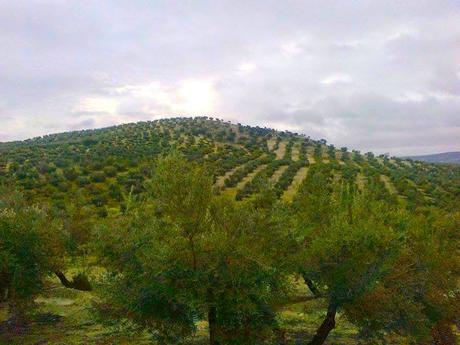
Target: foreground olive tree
point(388, 271)
point(184, 254)
point(33, 248)
point(30, 251)
point(418, 296)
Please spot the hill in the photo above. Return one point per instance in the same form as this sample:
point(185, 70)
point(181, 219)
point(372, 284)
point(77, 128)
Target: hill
point(445, 157)
point(100, 167)
point(306, 227)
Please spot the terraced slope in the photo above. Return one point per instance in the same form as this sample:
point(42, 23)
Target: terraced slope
point(296, 182)
point(100, 168)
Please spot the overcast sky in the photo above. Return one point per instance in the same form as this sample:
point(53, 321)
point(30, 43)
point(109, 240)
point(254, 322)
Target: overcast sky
point(371, 75)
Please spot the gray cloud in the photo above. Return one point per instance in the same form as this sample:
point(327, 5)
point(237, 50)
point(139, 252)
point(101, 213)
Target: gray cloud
point(370, 75)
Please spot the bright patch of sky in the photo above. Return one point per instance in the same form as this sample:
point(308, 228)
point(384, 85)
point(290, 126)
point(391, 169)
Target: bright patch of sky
point(370, 75)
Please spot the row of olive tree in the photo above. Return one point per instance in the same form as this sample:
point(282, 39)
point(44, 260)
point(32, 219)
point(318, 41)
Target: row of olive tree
point(184, 253)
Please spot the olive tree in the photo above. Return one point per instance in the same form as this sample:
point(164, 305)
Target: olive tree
point(388, 270)
point(184, 254)
point(30, 251)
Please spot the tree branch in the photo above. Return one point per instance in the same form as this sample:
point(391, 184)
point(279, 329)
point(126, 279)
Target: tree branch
point(311, 285)
point(79, 282)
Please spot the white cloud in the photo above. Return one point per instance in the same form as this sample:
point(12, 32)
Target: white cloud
point(188, 96)
point(410, 96)
point(284, 126)
point(246, 67)
point(195, 96)
point(336, 78)
point(402, 32)
point(359, 75)
point(292, 48)
point(94, 104)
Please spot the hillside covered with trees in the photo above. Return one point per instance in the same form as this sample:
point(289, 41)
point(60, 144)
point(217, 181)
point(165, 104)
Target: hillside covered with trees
point(201, 231)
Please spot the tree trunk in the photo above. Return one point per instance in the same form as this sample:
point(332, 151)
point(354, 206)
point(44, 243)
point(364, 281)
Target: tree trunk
point(311, 285)
point(328, 325)
point(212, 320)
point(212, 317)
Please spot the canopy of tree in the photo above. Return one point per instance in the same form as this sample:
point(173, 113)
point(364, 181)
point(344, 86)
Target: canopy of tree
point(175, 223)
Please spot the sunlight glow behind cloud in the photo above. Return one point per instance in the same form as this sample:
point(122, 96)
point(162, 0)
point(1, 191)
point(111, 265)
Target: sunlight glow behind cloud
point(336, 78)
point(189, 96)
point(373, 75)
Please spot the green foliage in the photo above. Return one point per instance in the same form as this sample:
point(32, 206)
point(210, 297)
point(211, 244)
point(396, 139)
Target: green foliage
point(260, 182)
point(374, 238)
point(246, 169)
point(185, 255)
point(286, 178)
point(54, 167)
point(388, 270)
point(420, 291)
point(30, 249)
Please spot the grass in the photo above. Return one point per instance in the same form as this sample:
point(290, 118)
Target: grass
point(271, 144)
point(294, 186)
point(324, 154)
point(295, 152)
point(361, 181)
point(232, 191)
point(388, 184)
point(77, 326)
point(300, 323)
point(72, 322)
point(338, 156)
point(380, 160)
point(221, 179)
point(311, 154)
point(337, 176)
point(277, 174)
point(250, 176)
point(281, 149)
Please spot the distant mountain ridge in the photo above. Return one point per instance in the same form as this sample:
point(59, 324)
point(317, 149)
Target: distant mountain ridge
point(445, 157)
